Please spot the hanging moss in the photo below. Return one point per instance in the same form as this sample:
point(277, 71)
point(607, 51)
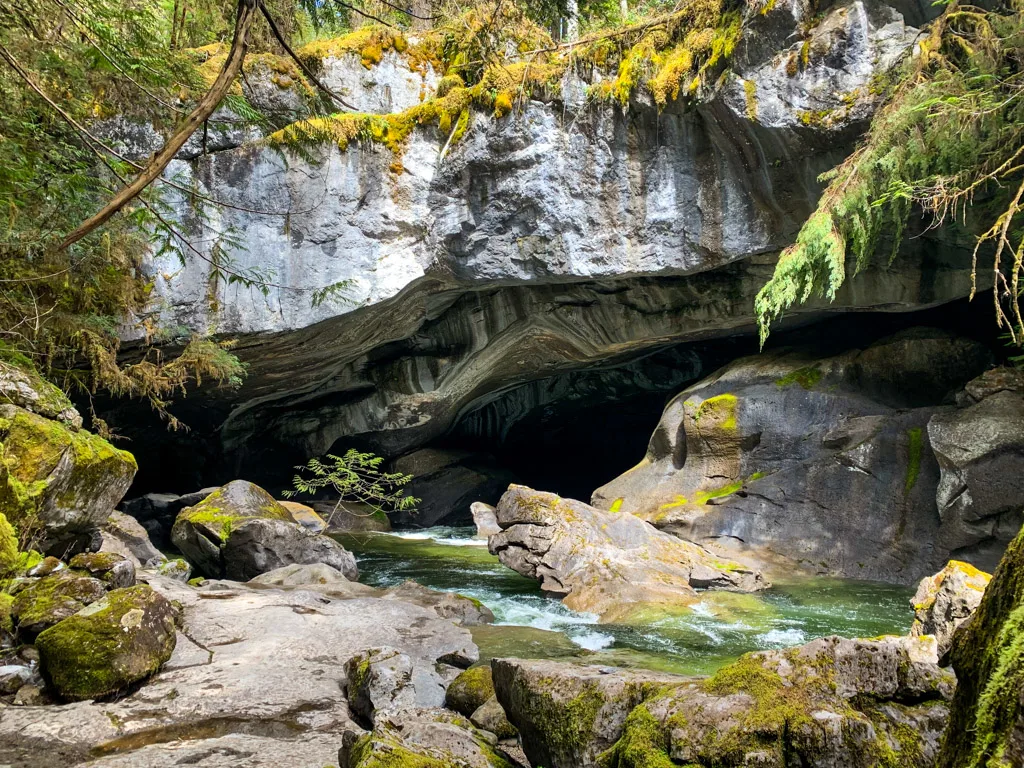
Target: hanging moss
point(750, 93)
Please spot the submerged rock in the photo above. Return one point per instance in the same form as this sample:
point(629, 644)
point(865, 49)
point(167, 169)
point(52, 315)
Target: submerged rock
point(421, 738)
point(114, 642)
point(606, 563)
point(240, 531)
point(986, 726)
point(855, 703)
point(946, 600)
point(791, 458)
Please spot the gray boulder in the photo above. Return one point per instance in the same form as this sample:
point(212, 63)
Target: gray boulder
point(41, 603)
point(383, 680)
point(124, 535)
point(602, 562)
point(12, 677)
point(980, 451)
point(490, 717)
point(824, 462)
point(422, 737)
point(318, 577)
point(485, 519)
point(946, 600)
point(239, 531)
point(114, 570)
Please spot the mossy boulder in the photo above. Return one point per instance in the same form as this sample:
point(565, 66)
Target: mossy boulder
point(41, 603)
point(62, 480)
point(490, 717)
point(109, 645)
point(240, 531)
point(423, 738)
point(470, 690)
point(946, 600)
point(986, 727)
point(113, 569)
point(25, 388)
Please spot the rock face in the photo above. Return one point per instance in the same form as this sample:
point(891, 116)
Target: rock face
point(986, 725)
point(240, 531)
point(820, 461)
point(946, 600)
point(563, 237)
point(116, 641)
point(60, 478)
point(606, 563)
point(856, 703)
point(980, 450)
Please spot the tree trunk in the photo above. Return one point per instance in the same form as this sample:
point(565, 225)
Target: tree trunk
point(572, 25)
point(210, 101)
point(624, 10)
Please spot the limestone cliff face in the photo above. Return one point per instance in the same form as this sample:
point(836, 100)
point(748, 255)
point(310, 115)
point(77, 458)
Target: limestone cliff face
point(565, 235)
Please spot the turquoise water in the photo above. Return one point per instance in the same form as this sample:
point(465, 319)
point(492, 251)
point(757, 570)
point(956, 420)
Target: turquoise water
point(698, 640)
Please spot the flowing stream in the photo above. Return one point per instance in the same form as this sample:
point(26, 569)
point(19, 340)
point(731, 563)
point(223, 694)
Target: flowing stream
point(696, 640)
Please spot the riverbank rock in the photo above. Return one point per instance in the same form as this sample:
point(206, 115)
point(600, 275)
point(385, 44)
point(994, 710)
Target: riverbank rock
point(345, 516)
point(118, 640)
point(156, 512)
point(797, 459)
point(422, 738)
point(385, 680)
point(855, 703)
point(41, 603)
point(980, 451)
point(485, 519)
point(603, 562)
point(240, 531)
point(124, 535)
point(490, 717)
point(465, 611)
point(318, 577)
point(305, 516)
point(62, 480)
point(470, 690)
point(256, 679)
point(946, 600)
point(986, 724)
point(114, 570)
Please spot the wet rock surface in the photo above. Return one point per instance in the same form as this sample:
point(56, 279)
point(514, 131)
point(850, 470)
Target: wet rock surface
point(609, 563)
point(820, 462)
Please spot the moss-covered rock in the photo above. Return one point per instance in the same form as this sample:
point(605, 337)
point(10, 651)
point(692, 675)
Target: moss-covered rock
point(946, 600)
point(490, 717)
point(426, 738)
point(240, 531)
point(24, 387)
point(107, 646)
point(115, 570)
point(61, 481)
point(41, 603)
point(986, 728)
point(470, 690)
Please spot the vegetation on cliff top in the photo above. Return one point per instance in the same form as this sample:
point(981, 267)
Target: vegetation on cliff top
point(948, 144)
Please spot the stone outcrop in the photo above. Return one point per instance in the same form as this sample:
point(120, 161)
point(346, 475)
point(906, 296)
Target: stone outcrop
point(58, 479)
point(980, 450)
point(946, 600)
point(857, 703)
point(563, 237)
point(607, 563)
point(986, 725)
point(240, 531)
point(819, 461)
point(118, 640)
point(257, 676)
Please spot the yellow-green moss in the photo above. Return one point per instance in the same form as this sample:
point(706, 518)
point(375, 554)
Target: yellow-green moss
point(470, 690)
point(750, 94)
point(915, 446)
point(644, 744)
point(808, 378)
point(9, 559)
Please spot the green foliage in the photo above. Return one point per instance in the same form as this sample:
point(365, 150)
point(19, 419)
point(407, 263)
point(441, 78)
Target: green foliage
point(948, 142)
point(354, 477)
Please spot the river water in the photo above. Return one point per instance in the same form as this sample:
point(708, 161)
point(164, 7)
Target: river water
point(695, 641)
